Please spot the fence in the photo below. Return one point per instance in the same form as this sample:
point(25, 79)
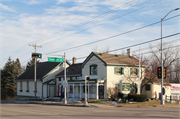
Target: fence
point(173, 98)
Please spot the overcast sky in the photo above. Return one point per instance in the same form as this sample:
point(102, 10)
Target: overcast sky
point(61, 24)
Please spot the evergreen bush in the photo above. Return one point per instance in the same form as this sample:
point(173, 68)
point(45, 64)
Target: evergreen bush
point(137, 97)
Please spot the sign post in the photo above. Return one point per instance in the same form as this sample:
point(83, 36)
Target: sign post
point(65, 84)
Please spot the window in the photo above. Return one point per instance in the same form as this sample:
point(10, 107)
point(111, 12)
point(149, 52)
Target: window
point(59, 78)
point(134, 71)
point(20, 86)
point(93, 70)
point(71, 78)
point(27, 86)
point(119, 70)
point(148, 87)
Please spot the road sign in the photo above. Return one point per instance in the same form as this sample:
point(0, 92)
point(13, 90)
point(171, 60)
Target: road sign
point(55, 59)
point(65, 84)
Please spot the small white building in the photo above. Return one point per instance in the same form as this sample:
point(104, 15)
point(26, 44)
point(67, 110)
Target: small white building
point(153, 88)
point(45, 71)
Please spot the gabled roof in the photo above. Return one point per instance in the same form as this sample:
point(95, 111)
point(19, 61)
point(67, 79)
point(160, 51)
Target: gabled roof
point(113, 59)
point(72, 70)
point(42, 69)
point(155, 80)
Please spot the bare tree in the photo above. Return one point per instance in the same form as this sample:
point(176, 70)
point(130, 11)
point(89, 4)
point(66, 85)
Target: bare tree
point(170, 56)
point(176, 72)
point(102, 50)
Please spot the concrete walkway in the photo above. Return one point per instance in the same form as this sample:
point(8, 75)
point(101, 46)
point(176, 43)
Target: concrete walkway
point(77, 103)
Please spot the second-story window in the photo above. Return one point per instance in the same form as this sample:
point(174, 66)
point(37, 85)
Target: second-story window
point(134, 71)
point(93, 69)
point(119, 70)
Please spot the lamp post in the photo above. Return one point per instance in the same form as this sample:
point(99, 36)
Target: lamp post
point(162, 102)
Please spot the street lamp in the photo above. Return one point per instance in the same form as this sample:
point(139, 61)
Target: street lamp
point(162, 102)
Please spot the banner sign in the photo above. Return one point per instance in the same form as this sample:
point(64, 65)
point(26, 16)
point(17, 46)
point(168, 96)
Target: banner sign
point(60, 89)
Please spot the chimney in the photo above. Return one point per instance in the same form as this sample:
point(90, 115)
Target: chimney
point(129, 52)
point(74, 60)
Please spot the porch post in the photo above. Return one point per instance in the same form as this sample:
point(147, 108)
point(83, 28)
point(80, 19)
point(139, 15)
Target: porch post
point(97, 95)
point(104, 90)
point(73, 90)
point(88, 90)
point(80, 91)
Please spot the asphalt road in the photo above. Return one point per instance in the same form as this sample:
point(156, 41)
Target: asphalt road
point(40, 111)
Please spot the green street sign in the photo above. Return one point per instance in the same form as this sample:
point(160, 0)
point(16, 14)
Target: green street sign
point(55, 59)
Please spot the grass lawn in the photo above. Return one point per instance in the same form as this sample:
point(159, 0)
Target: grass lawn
point(146, 103)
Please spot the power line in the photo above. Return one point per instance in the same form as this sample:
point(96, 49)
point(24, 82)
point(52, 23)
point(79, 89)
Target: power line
point(111, 19)
point(108, 20)
point(104, 22)
point(112, 36)
point(98, 61)
point(83, 23)
point(134, 46)
point(90, 20)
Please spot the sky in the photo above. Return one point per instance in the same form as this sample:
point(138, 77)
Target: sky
point(78, 27)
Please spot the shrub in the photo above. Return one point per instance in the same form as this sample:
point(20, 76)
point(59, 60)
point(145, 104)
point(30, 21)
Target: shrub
point(120, 95)
point(137, 97)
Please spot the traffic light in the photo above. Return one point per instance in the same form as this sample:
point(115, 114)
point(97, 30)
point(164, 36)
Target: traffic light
point(37, 55)
point(159, 72)
point(164, 72)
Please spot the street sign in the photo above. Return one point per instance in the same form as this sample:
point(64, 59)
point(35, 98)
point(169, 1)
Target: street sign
point(55, 59)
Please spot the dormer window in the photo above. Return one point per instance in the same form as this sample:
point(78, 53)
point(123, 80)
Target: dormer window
point(93, 69)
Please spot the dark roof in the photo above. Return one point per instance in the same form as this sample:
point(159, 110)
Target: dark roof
point(113, 59)
point(42, 69)
point(74, 69)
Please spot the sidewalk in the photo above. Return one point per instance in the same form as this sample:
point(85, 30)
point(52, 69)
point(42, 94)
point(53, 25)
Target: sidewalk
point(74, 103)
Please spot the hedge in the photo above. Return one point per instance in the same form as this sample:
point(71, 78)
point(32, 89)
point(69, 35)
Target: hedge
point(137, 97)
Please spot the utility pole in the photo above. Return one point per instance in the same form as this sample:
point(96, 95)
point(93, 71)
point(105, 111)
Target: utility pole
point(139, 72)
point(35, 84)
point(162, 101)
point(65, 100)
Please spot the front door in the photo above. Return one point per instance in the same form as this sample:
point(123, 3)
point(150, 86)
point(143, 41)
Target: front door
point(51, 91)
point(101, 92)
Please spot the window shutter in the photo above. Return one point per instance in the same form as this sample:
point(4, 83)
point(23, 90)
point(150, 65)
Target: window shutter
point(137, 71)
point(136, 87)
point(130, 71)
point(114, 70)
point(83, 89)
point(122, 70)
